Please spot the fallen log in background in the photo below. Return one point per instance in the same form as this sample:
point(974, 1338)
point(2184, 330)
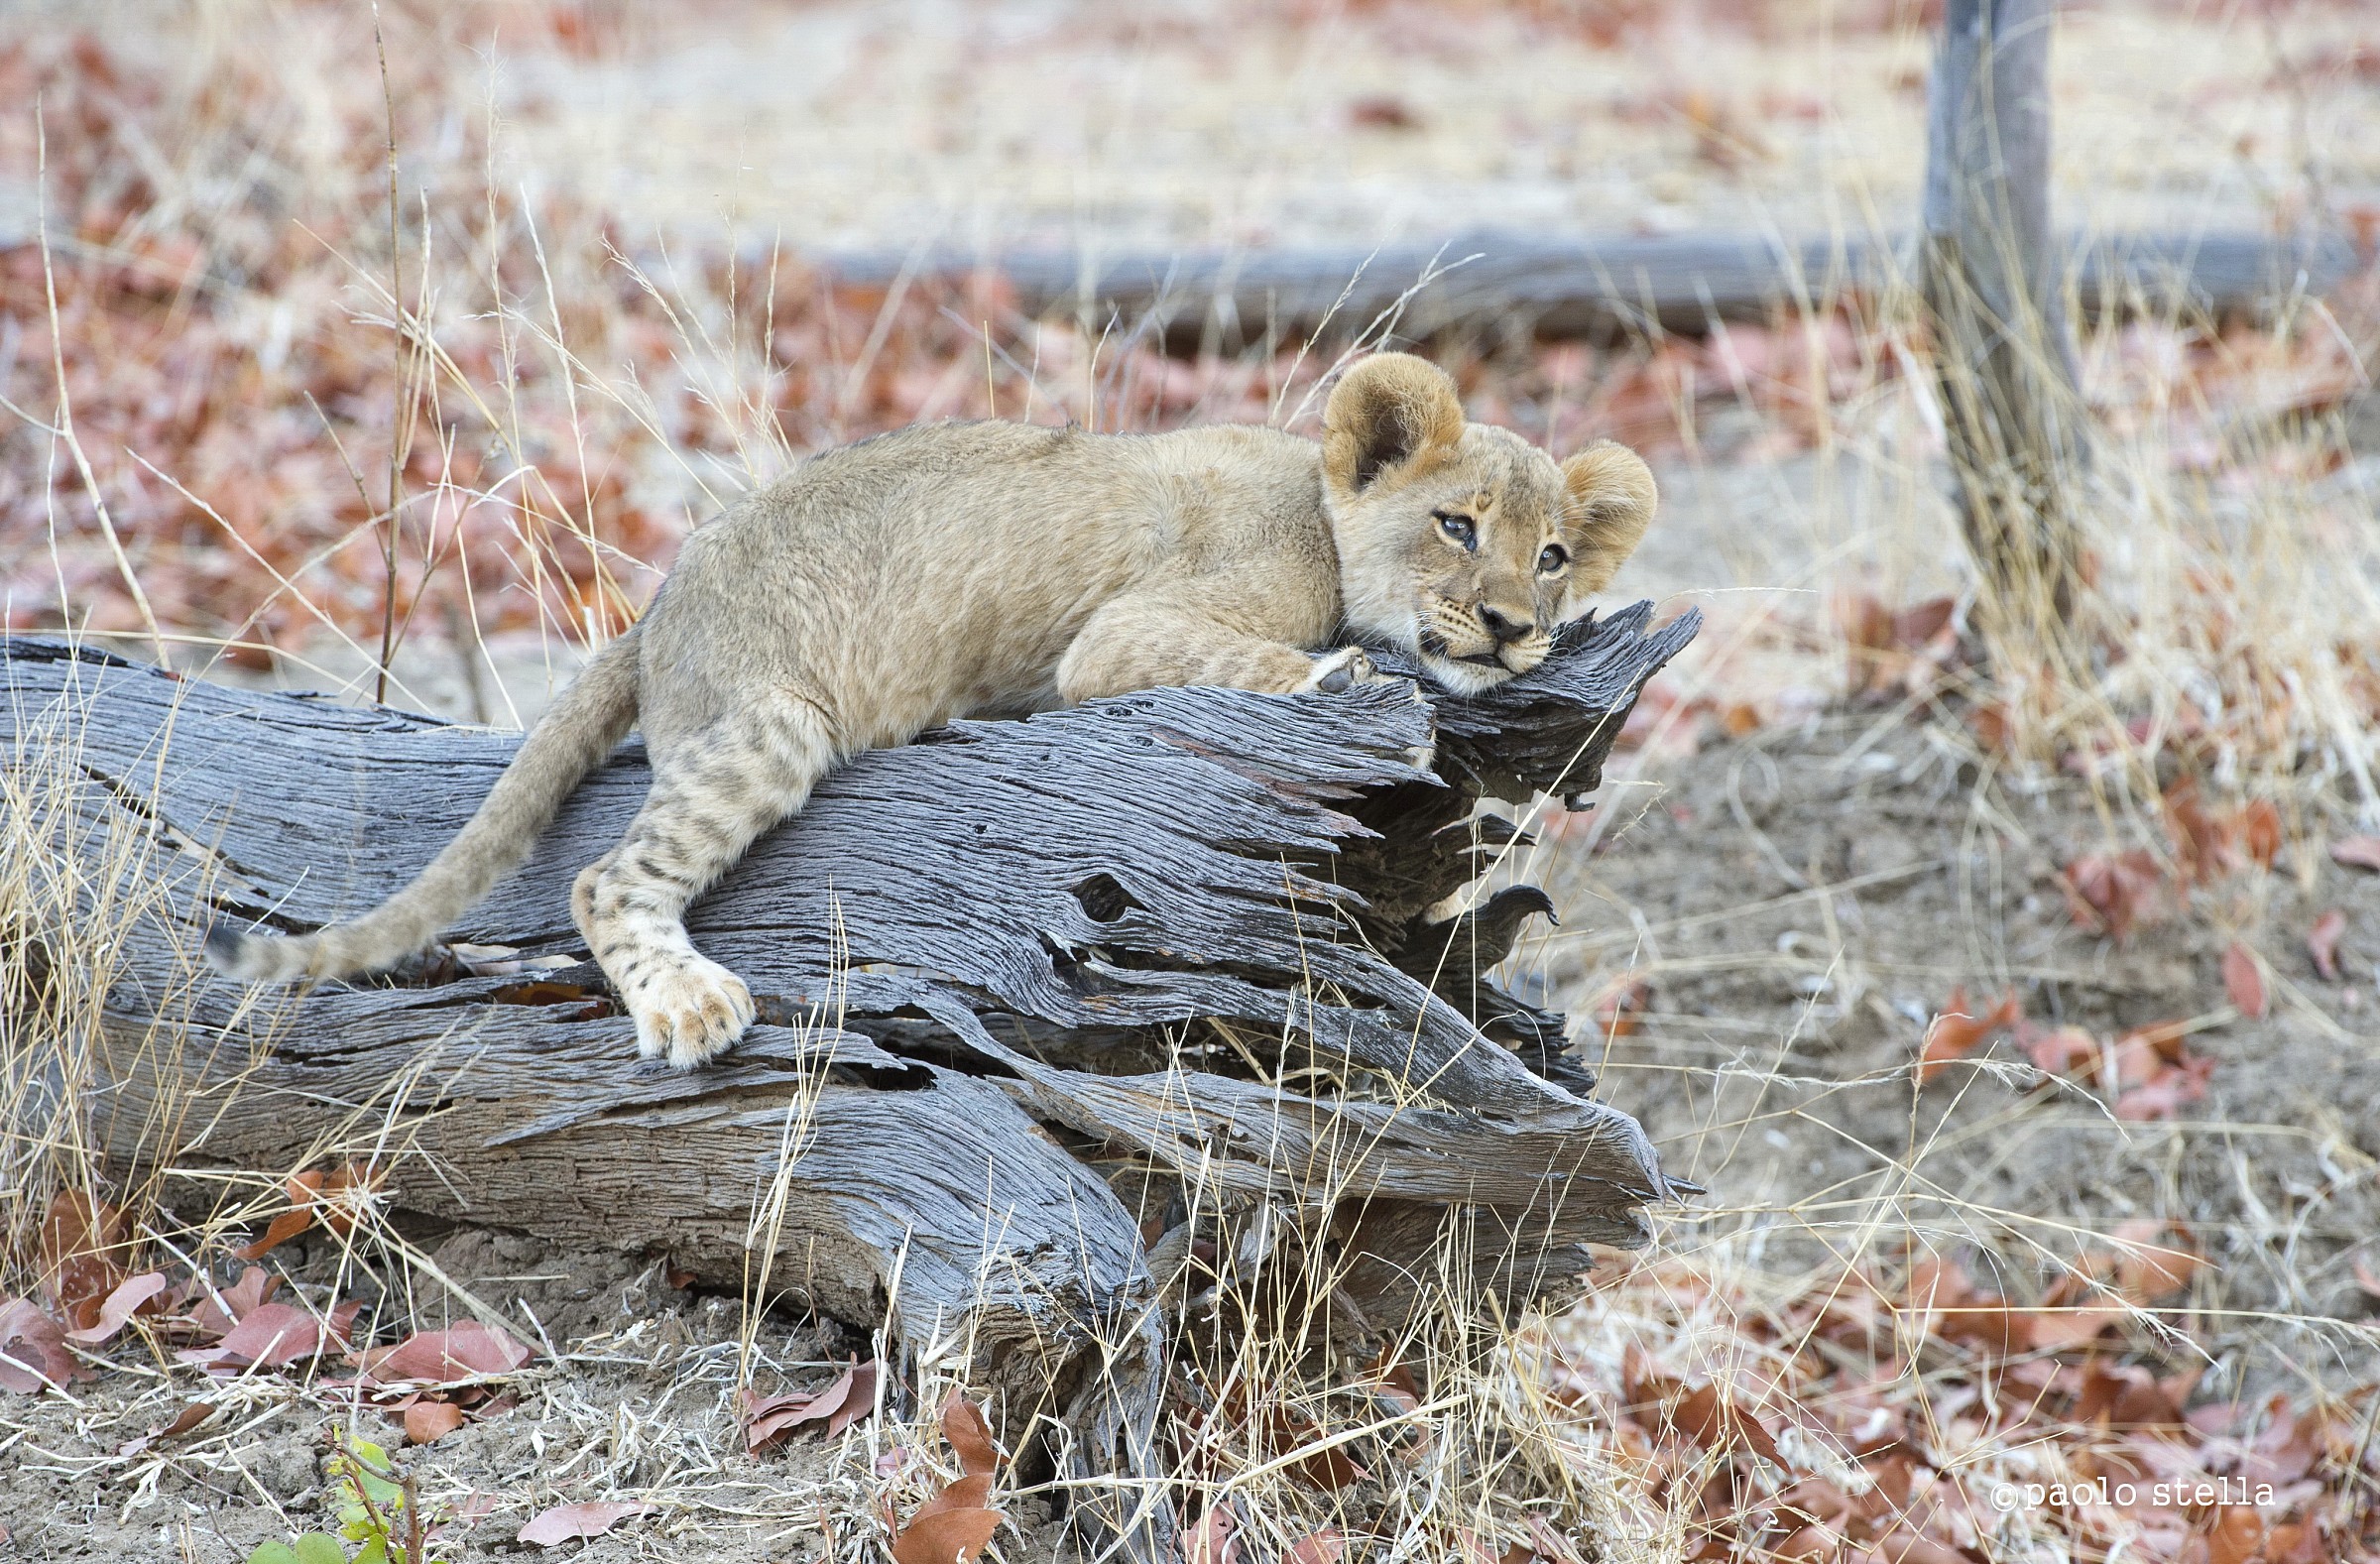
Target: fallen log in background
point(1586, 286)
point(1123, 923)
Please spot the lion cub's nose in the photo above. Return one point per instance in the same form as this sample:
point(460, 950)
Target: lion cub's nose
point(1502, 626)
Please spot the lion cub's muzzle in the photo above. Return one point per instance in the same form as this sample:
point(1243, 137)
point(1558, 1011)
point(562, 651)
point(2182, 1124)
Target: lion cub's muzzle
point(1476, 646)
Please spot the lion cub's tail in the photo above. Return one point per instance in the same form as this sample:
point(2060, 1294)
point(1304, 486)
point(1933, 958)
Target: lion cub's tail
point(570, 740)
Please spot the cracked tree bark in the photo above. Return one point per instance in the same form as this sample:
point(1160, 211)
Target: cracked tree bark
point(1185, 932)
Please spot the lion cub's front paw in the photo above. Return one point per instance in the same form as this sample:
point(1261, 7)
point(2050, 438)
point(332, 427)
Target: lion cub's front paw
point(1343, 669)
point(690, 1012)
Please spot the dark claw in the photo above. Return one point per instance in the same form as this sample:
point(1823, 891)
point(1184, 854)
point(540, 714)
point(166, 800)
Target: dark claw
point(1335, 682)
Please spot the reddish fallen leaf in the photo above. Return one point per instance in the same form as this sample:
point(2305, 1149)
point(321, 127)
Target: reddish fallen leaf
point(2199, 847)
point(842, 1403)
point(239, 1300)
point(83, 1240)
point(1383, 112)
point(2113, 893)
point(2257, 830)
point(1719, 1425)
point(456, 1354)
point(1214, 1540)
point(1956, 1032)
point(968, 1493)
point(1809, 1546)
point(2356, 852)
point(2163, 1098)
point(2064, 1051)
point(427, 1422)
point(970, 1436)
point(273, 1336)
point(335, 1199)
point(1740, 719)
point(950, 1536)
point(2144, 1053)
point(120, 1305)
point(2154, 1263)
point(2243, 981)
point(2063, 1330)
point(190, 1417)
point(1619, 1010)
point(1326, 1546)
point(303, 1190)
point(2236, 1535)
point(2321, 942)
point(569, 1522)
point(32, 1350)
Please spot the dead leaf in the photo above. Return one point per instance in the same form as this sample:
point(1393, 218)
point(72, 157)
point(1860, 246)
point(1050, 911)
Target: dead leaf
point(335, 1199)
point(427, 1422)
point(1214, 1539)
point(1618, 1009)
point(447, 1356)
point(950, 1536)
point(1383, 112)
point(2149, 1270)
point(970, 1436)
point(120, 1305)
point(2257, 830)
point(1717, 1424)
point(569, 1522)
point(1326, 1546)
point(2113, 893)
point(2063, 1050)
point(239, 1300)
point(968, 1493)
point(273, 1336)
point(2321, 942)
point(81, 1238)
point(1956, 1033)
point(2157, 1089)
point(2199, 847)
point(2356, 852)
point(2243, 981)
point(303, 1189)
point(32, 1350)
point(190, 1417)
point(2236, 1535)
point(839, 1406)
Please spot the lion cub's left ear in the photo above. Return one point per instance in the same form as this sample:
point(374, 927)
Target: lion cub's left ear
point(1612, 499)
point(1389, 412)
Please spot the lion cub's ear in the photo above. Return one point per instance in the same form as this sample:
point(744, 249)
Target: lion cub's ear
point(1611, 501)
point(1387, 411)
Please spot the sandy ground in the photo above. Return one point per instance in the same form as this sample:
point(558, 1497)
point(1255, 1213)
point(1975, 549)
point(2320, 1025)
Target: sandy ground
point(1170, 122)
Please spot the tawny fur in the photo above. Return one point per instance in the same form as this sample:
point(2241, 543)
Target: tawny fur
point(991, 568)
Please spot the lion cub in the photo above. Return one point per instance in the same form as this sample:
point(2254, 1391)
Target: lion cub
point(954, 568)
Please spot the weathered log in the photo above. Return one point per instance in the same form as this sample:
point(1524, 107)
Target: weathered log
point(1584, 287)
point(1002, 927)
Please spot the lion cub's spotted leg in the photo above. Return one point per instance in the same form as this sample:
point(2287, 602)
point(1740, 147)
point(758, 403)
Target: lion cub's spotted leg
point(713, 793)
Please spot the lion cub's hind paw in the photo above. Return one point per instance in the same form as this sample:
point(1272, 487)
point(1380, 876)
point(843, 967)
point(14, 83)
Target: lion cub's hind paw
point(1337, 672)
point(691, 1014)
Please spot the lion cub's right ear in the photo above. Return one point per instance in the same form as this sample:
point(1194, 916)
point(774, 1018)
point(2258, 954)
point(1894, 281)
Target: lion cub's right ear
point(1386, 412)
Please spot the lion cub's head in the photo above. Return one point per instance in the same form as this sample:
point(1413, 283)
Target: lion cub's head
point(1463, 543)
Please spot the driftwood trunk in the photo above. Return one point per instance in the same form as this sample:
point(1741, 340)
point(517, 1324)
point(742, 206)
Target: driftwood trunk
point(1185, 933)
point(1510, 283)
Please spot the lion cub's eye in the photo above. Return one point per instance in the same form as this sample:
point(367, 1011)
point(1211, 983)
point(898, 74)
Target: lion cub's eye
point(1458, 529)
point(1552, 559)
